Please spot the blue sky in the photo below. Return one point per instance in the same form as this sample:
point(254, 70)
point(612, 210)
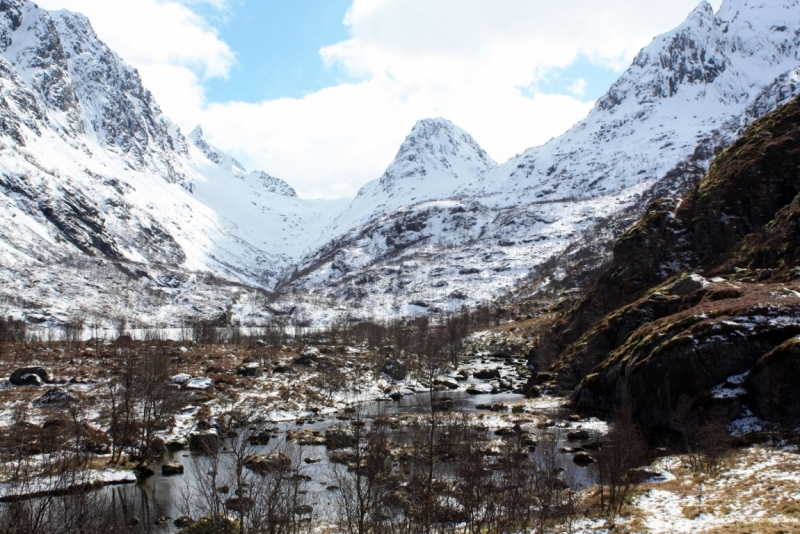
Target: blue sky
point(277, 44)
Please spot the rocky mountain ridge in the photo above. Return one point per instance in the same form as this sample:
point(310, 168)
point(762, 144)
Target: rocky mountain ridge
point(700, 309)
point(547, 217)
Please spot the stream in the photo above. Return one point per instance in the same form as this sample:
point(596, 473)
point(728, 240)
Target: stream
point(158, 495)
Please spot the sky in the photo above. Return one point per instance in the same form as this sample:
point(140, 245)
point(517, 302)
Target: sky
point(322, 92)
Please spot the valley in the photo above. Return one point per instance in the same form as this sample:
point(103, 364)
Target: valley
point(600, 334)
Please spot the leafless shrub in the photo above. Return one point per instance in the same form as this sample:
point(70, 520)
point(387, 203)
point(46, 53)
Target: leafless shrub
point(623, 450)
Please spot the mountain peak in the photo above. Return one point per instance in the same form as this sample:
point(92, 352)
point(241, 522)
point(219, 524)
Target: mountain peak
point(197, 134)
point(437, 147)
point(272, 184)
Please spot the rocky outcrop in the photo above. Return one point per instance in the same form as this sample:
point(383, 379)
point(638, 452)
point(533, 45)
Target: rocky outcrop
point(700, 289)
point(772, 383)
point(30, 376)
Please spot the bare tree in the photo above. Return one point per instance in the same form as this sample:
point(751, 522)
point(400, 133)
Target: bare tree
point(623, 449)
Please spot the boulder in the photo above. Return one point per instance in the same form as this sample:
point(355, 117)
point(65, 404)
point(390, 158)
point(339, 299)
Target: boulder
point(171, 468)
point(480, 389)
point(446, 381)
point(395, 369)
point(487, 374)
point(183, 522)
point(306, 360)
point(199, 384)
point(261, 437)
point(53, 397)
point(583, 458)
point(250, 370)
point(204, 442)
point(181, 378)
point(263, 464)
point(578, 435)
point(30, 376)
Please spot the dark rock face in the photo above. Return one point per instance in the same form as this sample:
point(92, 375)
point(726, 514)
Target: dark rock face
point(753, 185)
point(651, 333)
point(773, 384)
point(30, 376)
point(395, 369)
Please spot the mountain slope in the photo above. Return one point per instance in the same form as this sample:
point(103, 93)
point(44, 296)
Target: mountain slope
point(91, 173)
point(686, 96)
point(702, 297)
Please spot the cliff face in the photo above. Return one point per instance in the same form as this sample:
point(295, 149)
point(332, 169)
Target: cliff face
point(700, 289)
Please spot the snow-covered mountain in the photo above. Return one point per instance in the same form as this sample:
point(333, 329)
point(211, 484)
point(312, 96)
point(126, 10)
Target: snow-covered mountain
point(92, 174)
point(107, 207)
point(686, 96)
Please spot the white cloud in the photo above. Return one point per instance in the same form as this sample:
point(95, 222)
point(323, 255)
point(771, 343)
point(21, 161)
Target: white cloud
point(465, 60)
point(578, 87)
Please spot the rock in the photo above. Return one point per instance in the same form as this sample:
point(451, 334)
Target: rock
point(181, 378)
point(134, 521)
point(547, 423)
point(205, 442)
point(163, 520)
point(53, 397)
point(171, 468)
point(487, 374)
point(261, 437)
point(772, 383)
point(183, 522)
point(396, 395)
point(307, 437)
point(533, 392)
point(583, 458)
point(446, 381)
point(504, 354)
point(578, 435)
point(250, 370)
point(277, 461)
point(339, 439)
point(176, 445)
point(281, 369)
point(395, 369)
point(199, 384)
point(574, 418)
point(480, 389)
point(307, 359)
point(30, 376)
point(144, 471)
